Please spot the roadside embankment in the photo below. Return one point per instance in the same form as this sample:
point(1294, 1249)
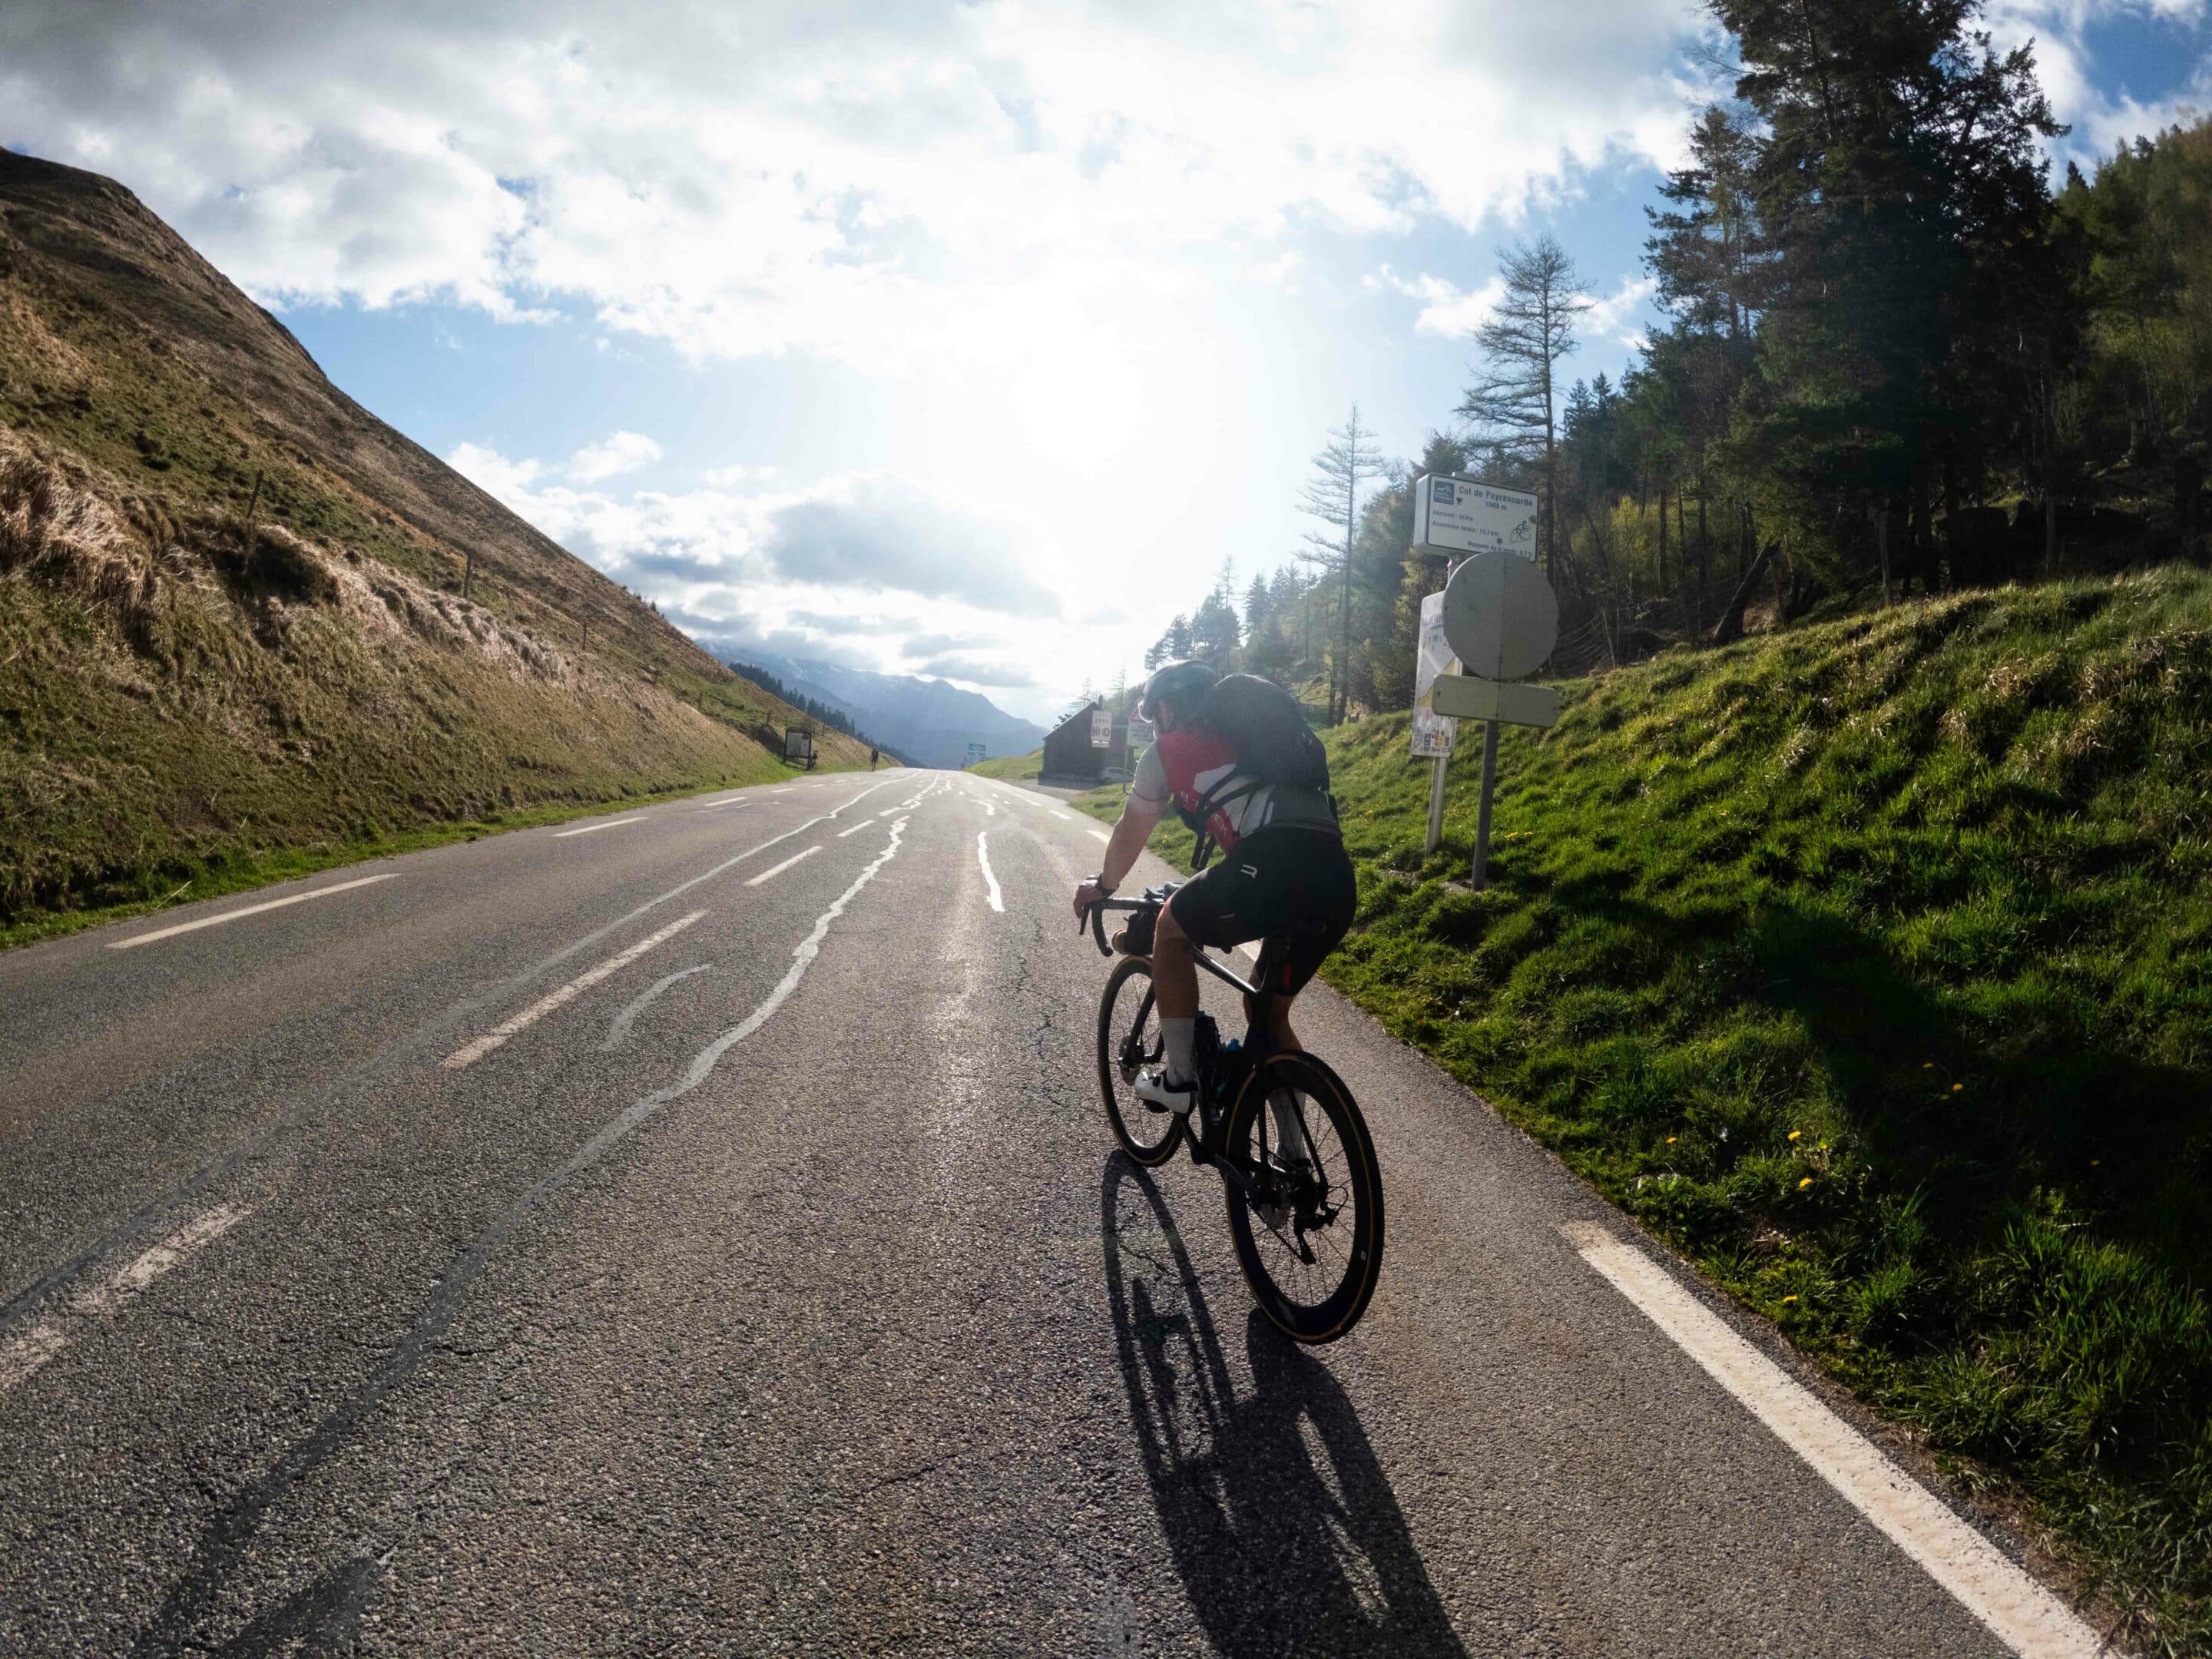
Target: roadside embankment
point(1871, 964)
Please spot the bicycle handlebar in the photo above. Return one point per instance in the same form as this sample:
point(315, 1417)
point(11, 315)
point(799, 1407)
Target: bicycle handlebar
point(1096, 914)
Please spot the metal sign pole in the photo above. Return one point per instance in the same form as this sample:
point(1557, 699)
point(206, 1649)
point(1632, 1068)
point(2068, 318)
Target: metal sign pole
point(1436, 802)
point(1482, 812)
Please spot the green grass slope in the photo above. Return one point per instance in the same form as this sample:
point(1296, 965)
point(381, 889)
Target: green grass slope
point(1013, 767)
point(1871, 962)
point(191, 701)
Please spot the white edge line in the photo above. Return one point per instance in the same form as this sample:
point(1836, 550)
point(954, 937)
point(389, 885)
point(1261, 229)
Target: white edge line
point(249, 910)
point(2022, 1614)
point(594, 829)
point(983, 858)
point(774, 870)
point(469, 1053)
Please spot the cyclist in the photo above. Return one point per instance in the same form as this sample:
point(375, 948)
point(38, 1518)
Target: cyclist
point(1283, 867)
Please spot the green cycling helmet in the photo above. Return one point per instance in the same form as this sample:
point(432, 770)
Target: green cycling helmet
point(1183, 683)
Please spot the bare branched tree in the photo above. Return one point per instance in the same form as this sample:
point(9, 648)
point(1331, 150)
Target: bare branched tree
point(1514, 405)
point(1350, 460)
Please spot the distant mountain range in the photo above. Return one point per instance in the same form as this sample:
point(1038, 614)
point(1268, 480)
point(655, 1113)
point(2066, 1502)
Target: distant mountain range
point(928, 722)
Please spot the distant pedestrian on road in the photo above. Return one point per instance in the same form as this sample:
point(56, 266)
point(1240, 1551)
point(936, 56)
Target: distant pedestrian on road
point(872, 760)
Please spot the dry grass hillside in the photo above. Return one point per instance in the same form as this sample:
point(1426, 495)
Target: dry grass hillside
point(197, 676)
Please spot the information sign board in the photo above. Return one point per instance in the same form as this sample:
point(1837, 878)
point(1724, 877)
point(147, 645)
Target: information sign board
point(1466, 515)
point(976, 751)
point(1432, 732)
point(1102, 728)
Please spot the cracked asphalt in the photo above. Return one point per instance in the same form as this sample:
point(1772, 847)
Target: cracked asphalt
point(780, 1292)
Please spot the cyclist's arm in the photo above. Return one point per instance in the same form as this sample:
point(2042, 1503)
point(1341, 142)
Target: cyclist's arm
point(1138, 817)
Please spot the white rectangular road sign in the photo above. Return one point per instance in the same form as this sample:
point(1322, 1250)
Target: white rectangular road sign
point(1465, 515)
point(1432, 732)
point(1470, 697)
point(1101, 729)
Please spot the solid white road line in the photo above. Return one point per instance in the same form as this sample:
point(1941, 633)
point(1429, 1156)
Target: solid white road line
point(247, 910)
point(713, 805)
point(594, 829)
point(983, 858)
point(1100, 834)
point(855, 829)
point(25, 1353)
point(2023, 1614)
point(770, 874)
point(469, 1053)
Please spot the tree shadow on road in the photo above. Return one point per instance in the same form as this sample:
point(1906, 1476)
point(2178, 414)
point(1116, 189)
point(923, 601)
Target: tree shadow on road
point(1287, 1535)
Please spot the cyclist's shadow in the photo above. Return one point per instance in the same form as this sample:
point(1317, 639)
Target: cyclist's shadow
point(1287, 1534)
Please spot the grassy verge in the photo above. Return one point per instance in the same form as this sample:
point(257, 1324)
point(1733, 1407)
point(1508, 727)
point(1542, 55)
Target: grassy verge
point(235, 871)
point(1871, 964)
point(1013, 767)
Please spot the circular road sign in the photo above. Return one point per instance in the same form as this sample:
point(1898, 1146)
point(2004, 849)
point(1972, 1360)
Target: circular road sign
point(1501, 618)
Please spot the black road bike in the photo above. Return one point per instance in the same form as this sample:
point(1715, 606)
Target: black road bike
point(1298, 1168)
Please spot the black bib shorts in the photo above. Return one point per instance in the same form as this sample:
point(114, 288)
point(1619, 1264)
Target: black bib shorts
point(1282, 879)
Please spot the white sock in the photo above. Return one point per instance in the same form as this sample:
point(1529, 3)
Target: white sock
point(1178, 1035)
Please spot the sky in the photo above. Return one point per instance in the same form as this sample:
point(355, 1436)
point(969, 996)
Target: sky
point(969, 340)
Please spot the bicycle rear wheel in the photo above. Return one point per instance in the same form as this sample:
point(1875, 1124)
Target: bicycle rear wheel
point(1129, 1036)
point(1311, 1248)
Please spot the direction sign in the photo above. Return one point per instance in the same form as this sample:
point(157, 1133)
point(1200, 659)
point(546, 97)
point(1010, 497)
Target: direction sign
point(1466, 515)
point(1500, 616)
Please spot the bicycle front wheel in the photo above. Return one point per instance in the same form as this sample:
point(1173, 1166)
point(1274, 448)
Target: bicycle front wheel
point(1310, 1236)
point(1128, 1037)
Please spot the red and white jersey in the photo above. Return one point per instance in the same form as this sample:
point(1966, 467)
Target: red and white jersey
point(1187, 765)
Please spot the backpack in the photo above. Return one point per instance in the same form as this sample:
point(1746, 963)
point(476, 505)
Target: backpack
point(1266, 726)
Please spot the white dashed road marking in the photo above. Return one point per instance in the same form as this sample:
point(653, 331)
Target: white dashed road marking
point(25, 1353)
point(1100, 834)
point(774, 871)
point(247, 910)
point(2024, 1615)
point(471, 1053)
point(983, 858)
point(594, 829)
point(863, 824)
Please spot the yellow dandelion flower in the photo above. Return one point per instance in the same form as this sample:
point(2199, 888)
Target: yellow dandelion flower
point(1789, 1299)
point(1958, 1088)
point(1926, 1065)
point(1803, 1184)
point(1794, 1133)
point(1671, 1139)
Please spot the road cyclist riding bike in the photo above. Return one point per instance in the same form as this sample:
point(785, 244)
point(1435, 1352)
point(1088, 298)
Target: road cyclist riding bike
point(1235, 759)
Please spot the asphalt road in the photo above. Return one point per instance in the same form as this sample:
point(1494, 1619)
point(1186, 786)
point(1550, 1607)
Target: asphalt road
point(627, 1242)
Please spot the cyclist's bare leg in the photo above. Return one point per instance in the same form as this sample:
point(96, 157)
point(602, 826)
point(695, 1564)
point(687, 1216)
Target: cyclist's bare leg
point(1280, 1034)
point(1175, 968)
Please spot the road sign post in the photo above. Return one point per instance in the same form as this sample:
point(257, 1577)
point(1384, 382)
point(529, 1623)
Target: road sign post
point(1432, 732)
point(1501, 620)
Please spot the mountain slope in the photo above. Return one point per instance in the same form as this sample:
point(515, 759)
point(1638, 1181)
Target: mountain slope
point(181, 688)
point(930, 722)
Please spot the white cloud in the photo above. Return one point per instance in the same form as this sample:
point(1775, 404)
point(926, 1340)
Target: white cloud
point(1618, 315)
point(1445, 309)
point(617, 452)
point(901, 184)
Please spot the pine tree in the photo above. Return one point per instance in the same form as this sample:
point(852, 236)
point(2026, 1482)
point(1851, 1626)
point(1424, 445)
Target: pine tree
point(1514, 405)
